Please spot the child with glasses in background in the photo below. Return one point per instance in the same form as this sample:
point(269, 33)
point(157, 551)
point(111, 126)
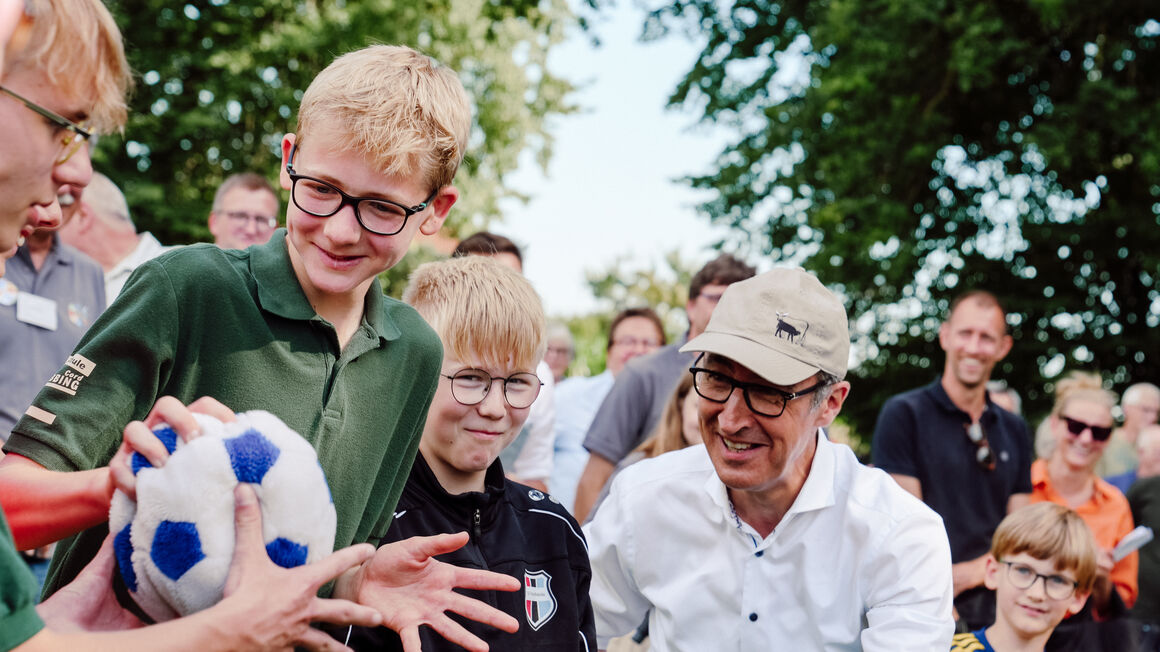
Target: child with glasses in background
point(493, 332)
point(1042, 567)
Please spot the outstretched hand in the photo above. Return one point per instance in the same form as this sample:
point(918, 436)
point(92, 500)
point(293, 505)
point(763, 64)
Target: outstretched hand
point(410, 588)
point(87, 603)
point(138, 437)
point(274, 606)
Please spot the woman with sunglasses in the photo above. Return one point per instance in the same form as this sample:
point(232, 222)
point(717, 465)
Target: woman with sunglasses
point(1080, 424)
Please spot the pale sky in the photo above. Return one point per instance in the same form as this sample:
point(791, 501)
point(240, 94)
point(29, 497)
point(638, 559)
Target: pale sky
point(611, 187)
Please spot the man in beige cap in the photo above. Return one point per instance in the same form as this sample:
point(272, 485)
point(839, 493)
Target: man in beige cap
point(769, 535)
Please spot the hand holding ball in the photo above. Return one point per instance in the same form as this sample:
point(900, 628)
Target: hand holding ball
point(174, 544)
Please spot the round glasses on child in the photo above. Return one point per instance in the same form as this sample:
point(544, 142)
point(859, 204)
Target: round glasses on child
point(1023, 576)
point(471, 386)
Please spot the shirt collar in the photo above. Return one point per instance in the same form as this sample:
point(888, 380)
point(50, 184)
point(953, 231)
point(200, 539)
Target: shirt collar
point(1102, 492)
point(57, 253)
point(940, 397)
point(271, 266)
point(817, 492)
point(147, 247)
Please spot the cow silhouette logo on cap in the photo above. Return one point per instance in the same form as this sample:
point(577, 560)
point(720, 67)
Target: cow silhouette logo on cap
point(791, 329)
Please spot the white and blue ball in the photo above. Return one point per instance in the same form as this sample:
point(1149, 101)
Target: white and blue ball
point(175, 544)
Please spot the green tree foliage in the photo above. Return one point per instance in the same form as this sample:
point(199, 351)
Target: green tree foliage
point(618, 287)
point(905, 150)
point(220, 82)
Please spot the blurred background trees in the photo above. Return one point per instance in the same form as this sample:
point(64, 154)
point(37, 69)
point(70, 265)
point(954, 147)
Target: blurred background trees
point(219, 82)
point(905, 150)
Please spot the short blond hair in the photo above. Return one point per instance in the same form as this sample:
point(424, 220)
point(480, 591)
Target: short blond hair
point(1049, 532)
point(481, 310)
point(1082, 385)
point(77, 46)
point(402, 110)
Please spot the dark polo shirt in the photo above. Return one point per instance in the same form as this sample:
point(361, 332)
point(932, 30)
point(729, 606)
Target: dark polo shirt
point(921, 433)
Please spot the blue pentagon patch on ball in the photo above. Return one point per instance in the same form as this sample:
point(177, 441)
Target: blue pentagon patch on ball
point(286, 553)
point(167, 435)
point(251, 455)
point(176, 548)
point(123, 552)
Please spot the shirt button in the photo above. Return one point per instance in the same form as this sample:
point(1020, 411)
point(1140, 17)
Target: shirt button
point(759, 553)
point(753, 617)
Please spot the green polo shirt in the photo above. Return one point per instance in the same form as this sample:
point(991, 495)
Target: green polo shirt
point(235, 325)
point(18, 618)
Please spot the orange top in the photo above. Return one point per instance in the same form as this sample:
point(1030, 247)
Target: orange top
point(1107, 514)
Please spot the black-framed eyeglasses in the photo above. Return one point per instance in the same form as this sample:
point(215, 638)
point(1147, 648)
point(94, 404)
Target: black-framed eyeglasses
point(1057, 587)
point(1076, 427)
point(983, 454)
point(471, 386)
point(75, 135)
point(761, 399)
point(323, 199)
point(263, 222)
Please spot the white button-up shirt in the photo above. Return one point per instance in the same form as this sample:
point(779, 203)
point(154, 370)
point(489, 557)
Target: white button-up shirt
point(147, 248)
point(857, 563)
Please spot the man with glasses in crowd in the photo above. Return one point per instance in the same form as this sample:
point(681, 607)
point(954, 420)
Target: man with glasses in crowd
point(245, 211)
point(950, 445)
point(637, 399)
point(769, 536)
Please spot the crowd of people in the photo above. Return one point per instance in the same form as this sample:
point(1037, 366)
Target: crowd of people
point(688, 496)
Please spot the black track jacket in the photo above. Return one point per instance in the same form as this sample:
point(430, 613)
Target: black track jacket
point(515, 530)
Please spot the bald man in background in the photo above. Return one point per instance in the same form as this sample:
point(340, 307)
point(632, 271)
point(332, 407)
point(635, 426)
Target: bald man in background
point(103, 229)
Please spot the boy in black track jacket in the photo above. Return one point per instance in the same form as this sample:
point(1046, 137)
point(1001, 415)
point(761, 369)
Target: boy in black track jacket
point(492, 328)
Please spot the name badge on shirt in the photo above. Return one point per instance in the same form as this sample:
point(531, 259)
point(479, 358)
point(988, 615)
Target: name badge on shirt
point(35, 310)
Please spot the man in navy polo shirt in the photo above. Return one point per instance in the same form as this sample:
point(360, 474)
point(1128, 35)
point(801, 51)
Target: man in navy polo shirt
point(965, 457)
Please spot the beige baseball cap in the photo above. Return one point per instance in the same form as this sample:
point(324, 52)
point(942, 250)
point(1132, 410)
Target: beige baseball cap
point(784, 325)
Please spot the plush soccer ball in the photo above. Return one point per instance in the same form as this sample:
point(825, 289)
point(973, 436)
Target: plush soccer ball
point(174, 545)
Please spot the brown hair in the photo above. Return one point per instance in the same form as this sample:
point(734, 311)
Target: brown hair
point(627, 313)
point(722, 270)
point(984, 299)
point(485, 243)
point(1049, 532)
point(246, 181)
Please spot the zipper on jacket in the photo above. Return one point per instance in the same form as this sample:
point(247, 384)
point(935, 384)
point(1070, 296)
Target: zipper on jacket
point(476, 530)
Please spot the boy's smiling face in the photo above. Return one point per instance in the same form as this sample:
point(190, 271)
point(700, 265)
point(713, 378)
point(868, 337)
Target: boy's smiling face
point(460, 441)
point(1029, 612)
point(336, 256)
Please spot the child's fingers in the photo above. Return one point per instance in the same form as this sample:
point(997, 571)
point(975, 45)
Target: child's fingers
point(171, 411)
point(210, 406)
point(139, 438)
